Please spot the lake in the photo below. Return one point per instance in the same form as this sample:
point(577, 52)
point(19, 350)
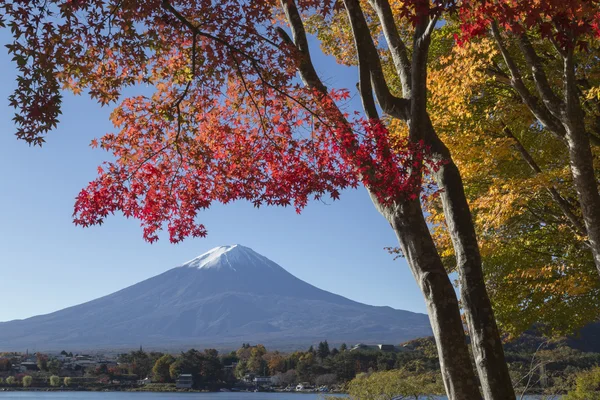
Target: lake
point(166, 396)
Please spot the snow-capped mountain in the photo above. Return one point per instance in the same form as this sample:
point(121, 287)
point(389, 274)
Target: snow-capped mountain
point(224, 297)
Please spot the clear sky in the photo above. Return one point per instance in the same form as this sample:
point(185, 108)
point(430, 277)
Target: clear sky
point(47, 263)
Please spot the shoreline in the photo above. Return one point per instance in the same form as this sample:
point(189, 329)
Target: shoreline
point(141, 390)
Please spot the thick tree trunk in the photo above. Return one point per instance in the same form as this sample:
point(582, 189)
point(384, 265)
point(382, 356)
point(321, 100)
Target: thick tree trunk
point(581, 161)
point(485, 337)
point(406, 218)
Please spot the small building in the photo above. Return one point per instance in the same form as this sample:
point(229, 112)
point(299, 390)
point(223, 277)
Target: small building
point(29, 366)
point(263, 380)
point(144, 381)
point(86, 363)
point(386, 347)
point(359, 346)
point(231, 367)
point(184, 381)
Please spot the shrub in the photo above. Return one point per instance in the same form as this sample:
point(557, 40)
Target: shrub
point(54, 381)
point(397, 384)
point(587, 386)
point(10, 380)
point(67, 381)
point(27, 381)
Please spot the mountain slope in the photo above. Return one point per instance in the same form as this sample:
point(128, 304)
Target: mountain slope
point(226, 296)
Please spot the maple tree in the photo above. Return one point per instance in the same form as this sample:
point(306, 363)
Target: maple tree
point(537, 260)
point(536, 40)
point(228, 120)
point(478, 311)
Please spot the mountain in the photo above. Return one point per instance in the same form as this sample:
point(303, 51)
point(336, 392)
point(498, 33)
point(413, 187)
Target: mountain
point(222, 298)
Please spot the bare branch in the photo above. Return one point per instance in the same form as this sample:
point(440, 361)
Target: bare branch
point(499, 75)
point(532, 369)
point(431, 26)
point(366, 91)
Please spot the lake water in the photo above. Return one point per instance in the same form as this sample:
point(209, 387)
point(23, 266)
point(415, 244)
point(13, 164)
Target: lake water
point(165, 396)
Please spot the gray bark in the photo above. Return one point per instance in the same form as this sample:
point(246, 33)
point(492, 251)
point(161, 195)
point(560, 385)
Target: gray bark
point(581, 157)
point(564, 118)
point(406, 216)
point(485, 336)
point(481, 322)
point(408, 222)
point(586, 185)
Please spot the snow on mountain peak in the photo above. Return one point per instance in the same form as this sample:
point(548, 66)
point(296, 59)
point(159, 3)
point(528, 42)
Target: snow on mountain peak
point(226, 256)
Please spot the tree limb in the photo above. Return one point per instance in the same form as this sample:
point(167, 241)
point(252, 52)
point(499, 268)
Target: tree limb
point(552, 102)
point(196, 31)
point(563, 204)
point(421, 42)
point(517, 83)
point(395, 43)
point(367, 53)
point(366, 91)
point(499, 75)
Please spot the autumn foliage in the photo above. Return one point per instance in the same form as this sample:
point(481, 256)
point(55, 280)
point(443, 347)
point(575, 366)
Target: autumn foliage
point(478, 129)
point(226, 120)
point(568, 22)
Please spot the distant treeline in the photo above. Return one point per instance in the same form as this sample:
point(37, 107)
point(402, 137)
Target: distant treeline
point(536, 366)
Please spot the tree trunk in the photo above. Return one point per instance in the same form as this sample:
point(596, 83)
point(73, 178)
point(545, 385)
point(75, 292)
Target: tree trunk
point(485, 337)
point(408, 222)
point(581, 161)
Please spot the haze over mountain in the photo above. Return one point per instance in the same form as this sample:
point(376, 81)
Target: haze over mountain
point(224, 297)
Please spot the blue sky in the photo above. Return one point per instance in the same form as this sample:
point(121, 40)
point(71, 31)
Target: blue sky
point(47, 263)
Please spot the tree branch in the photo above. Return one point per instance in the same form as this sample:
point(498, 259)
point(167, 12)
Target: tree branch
point(367, 53)
point(563, 204)
point(552, 102)
point(572, 105)
point(421, 42)
point(366, 91)
point(516, 82)
point(307, 71)
point(196, 31)
point(498, 74)
point(430, 27)
point(395, 43)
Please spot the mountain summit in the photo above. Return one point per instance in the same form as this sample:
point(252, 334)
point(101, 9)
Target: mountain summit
point(224, 297)
point(228, 256)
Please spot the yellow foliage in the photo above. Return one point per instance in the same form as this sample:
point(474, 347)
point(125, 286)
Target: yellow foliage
point(537, 268)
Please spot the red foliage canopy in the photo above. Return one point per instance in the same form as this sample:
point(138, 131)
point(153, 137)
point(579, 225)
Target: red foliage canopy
point(228, 118)
point(569, 22)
